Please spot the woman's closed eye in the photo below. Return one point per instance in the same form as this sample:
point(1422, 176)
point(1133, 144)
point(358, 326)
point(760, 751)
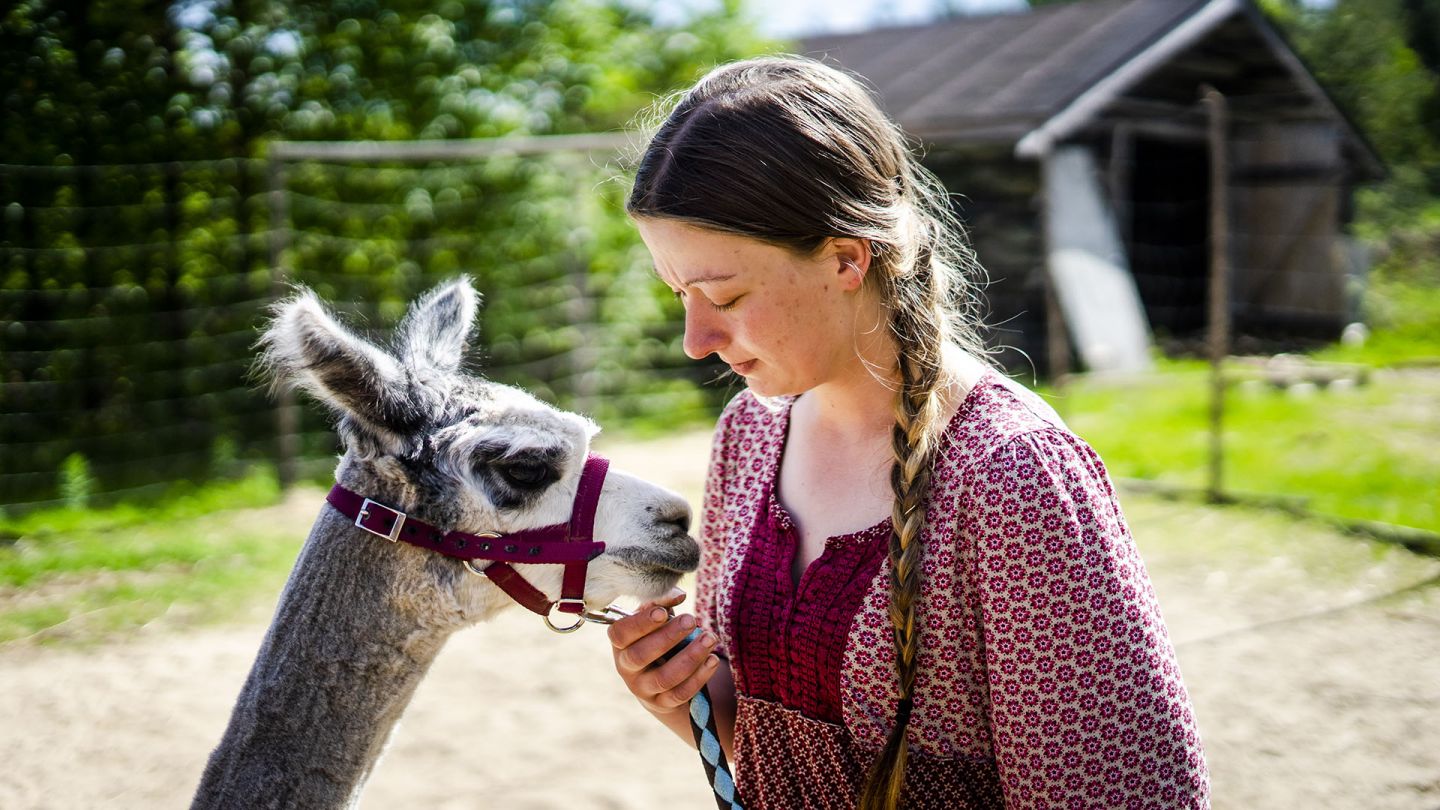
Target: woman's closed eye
point(725, 307)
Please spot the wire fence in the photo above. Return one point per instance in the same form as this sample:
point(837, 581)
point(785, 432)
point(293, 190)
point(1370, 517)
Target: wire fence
point(131, 298)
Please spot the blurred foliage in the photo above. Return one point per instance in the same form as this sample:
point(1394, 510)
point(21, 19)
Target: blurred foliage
point(136, 236)
point(1380, 61)
point(258, 488)
point(76, 482)
point(124, 81)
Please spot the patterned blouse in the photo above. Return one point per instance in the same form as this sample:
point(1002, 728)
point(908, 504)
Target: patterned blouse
point(1046, 677)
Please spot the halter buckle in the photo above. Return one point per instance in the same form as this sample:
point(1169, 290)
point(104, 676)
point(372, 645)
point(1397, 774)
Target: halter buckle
point(366, 511)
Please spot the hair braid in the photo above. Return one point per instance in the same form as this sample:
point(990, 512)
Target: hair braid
point(919, 335)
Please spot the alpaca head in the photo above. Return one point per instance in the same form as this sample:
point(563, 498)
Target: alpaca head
point(461, 452)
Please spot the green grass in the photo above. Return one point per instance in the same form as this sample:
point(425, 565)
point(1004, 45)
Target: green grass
point(1405, 317)
point(258, 487)
point(1367, 453)
point(84, 574)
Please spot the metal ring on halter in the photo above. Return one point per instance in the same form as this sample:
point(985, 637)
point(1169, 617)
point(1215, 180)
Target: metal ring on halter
point(579, 622)
point(479, 572)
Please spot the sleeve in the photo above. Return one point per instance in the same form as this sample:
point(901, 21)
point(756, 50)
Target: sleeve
point(711, 530)
point(1087, 705)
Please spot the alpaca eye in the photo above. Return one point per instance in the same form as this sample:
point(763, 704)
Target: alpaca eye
point(525, 475)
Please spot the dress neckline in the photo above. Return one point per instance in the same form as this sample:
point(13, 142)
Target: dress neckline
point(781, 515)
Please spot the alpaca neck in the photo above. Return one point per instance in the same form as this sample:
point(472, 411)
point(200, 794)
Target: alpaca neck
point(336, 670)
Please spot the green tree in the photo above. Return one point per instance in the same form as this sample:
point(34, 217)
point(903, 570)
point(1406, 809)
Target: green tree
point(1376, 58)
point(130, 283)
point(1422, 23)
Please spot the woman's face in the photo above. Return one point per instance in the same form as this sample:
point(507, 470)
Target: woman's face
point(785, 323)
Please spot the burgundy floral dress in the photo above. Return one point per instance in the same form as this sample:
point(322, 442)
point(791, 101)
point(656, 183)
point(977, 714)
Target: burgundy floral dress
point(1046, 677)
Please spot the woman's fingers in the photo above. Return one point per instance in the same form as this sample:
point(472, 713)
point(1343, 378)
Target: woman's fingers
point(669, 674)
point(678, 679)
point(647, 619)
point(674, 597)
point(647, 649)
point(631, 629)
point(641, 643)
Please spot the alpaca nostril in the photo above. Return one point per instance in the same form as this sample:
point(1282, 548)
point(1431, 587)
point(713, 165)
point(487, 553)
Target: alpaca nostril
point(679, 519)
point(673, 514)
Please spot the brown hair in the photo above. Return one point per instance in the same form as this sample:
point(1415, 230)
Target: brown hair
point(792, 152)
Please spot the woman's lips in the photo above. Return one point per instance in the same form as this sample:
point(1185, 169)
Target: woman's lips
point(743, 368)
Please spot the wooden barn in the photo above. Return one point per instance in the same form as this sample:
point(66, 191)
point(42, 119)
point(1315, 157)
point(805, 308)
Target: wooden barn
point(1076, 142)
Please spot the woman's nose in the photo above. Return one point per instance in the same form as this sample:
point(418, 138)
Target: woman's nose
point(704, 334)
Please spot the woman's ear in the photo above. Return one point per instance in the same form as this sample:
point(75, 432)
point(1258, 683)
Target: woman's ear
point(852, 261)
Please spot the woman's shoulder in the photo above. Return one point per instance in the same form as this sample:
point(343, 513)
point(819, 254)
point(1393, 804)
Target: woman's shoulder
point(1003, 426)
point(997, 411)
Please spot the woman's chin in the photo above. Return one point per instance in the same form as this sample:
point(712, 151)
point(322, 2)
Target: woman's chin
point(762, 387)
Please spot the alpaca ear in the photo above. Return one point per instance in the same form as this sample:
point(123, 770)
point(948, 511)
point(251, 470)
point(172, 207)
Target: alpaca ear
point(305, 346)
point(436, 330)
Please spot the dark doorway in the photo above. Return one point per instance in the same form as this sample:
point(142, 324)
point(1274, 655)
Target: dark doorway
point(1168, 235)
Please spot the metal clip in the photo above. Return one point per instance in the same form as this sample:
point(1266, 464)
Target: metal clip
point(609, 615)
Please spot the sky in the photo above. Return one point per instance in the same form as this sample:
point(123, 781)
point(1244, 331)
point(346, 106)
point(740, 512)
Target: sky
point(792, 18)
point(789, 18)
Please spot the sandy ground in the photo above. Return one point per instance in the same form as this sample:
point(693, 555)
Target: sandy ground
point(1314, 665)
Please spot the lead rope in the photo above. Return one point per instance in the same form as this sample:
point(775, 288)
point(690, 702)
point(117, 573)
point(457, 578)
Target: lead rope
point(707, 739)
point(702, 720)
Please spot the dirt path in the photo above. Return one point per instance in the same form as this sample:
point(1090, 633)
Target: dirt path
point(1313, 662)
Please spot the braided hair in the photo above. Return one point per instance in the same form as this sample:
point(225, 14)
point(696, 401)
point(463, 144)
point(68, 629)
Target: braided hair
point(792, 152)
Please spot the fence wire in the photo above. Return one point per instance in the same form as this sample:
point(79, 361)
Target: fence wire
point(132, 296)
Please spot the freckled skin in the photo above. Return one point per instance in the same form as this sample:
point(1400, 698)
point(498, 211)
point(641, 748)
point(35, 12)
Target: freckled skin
point(787, 323)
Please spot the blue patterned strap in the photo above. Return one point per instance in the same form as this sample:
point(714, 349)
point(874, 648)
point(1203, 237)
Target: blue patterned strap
point(707, 739)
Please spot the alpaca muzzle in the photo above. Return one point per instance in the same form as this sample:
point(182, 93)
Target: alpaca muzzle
point(571, 544)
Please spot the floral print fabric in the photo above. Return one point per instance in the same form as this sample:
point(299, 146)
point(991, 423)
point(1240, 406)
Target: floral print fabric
point(1046, 677)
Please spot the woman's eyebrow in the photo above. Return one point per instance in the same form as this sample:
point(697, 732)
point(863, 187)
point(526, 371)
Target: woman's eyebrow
point(705, 278)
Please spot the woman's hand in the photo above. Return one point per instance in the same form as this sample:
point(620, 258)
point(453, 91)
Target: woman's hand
point(640, 643)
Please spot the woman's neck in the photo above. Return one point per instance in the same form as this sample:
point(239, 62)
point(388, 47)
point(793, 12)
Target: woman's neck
point(862, 402)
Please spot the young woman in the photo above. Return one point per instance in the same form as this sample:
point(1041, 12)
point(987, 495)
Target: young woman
point(916, 586)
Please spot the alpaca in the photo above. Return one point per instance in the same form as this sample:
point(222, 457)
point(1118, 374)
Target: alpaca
point(361, 618)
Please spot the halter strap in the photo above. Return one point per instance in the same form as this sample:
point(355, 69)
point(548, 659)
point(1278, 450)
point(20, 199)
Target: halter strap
point(571, 544)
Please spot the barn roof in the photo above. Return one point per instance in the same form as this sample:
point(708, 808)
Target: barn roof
point(1033, 78)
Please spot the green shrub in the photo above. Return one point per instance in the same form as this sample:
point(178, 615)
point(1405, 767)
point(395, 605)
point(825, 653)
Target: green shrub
point(77, 484)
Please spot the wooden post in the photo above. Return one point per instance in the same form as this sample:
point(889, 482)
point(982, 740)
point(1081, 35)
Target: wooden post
point(1057, 339)
point(1122, 162)
point(287, 413)
point(1219, 316)
point(175, 331)
point(1057, 336)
